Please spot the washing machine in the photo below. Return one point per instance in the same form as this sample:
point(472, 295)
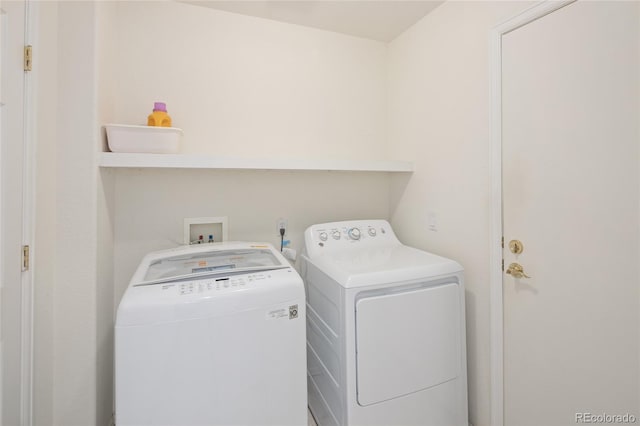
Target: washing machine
point(385, 329)
point(212, 334)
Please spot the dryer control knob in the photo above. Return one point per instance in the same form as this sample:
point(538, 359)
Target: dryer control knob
point(354, 233)
point(323, 236)
point(372, 232)
point(336, 234)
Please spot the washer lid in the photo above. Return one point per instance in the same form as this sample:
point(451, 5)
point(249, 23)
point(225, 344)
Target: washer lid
point(194, 262)
point(382, 265)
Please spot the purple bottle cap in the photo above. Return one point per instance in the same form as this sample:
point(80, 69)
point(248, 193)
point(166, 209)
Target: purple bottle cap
point(160, 106)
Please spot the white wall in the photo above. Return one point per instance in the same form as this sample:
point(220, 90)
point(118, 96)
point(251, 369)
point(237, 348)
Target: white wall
point(73, 291)
point(46, 88)
point(105, 48)
point(260, 88)
point(245, 86)
point(150, 206)
point(74, 354)
point(439, 118)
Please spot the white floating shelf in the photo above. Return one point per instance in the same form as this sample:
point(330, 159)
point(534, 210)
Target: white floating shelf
point(190, 161)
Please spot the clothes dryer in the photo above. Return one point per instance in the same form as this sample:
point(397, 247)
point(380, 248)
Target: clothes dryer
point(212, 334)
point(385, 329)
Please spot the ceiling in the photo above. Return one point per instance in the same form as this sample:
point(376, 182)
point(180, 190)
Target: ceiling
point(381, 20)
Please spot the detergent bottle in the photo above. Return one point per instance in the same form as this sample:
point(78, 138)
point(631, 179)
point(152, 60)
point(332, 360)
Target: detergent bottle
point(159, 116)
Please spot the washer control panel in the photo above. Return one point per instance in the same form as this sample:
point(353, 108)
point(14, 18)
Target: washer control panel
point(217, 285)
point(334, 235)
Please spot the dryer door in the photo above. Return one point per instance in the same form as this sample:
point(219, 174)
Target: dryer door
point(407, 342)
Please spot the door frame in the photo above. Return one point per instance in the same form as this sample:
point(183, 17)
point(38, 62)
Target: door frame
point(28, 223)
point(28, 229)
point(3, 30)
point(534, 13)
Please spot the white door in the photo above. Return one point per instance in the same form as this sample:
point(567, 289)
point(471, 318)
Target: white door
point(414, 334)
point(14, 343)
point(571, 197)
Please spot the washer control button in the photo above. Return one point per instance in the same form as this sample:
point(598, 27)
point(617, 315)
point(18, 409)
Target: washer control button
point(372, 232)
point(335, 234)
point(323, 236)
point(354, 233)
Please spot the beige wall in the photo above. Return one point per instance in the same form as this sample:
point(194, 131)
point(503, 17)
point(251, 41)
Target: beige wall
point(64, 242)
point(105, 46)
point(245, 86)
point(324, 96)
point(44, 250)
point(439, 103)
point(151, 205)
point(73, 273)
point(438, 115)
point(74, 320)
point(241, 86)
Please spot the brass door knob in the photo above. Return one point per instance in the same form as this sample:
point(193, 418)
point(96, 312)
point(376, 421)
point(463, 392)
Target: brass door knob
point(516, 271)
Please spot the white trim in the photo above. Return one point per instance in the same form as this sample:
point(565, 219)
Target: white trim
point(28, 226)
point(497, 308)
point(3, 37)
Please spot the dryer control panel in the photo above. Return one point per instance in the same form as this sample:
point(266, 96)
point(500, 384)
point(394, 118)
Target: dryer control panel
point(343, 235)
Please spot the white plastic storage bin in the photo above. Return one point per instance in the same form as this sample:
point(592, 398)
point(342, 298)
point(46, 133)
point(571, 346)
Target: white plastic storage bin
point(143, 139)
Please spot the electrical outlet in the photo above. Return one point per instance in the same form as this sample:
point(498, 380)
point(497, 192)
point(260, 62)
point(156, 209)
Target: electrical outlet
point(281, 224)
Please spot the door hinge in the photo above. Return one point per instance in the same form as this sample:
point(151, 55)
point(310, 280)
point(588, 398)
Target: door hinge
point(25, 258)
point(502, 242)
point(28, 57)
point(503, 264)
